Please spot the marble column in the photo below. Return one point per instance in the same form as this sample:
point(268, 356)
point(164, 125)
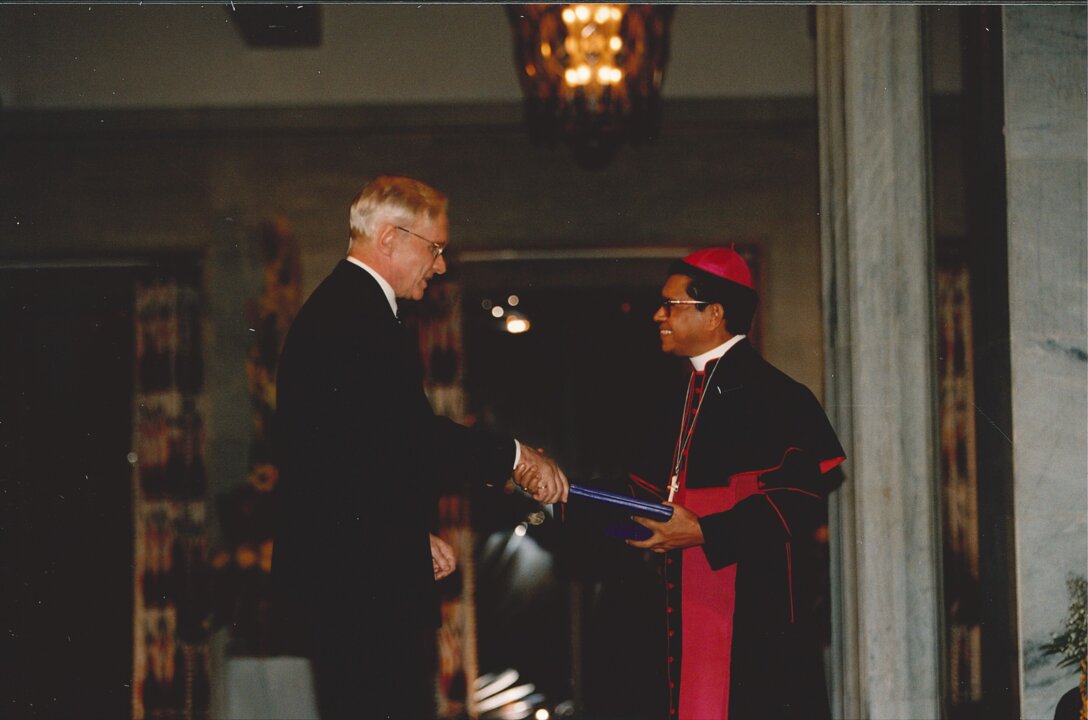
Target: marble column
point(878, 290)
point(1047, 159)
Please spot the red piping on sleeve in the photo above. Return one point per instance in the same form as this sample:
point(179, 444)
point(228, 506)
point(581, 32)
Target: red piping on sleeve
point(780, 516)
point(789, 555)
point(826, 465)
point(780, 464)
point(767, 491)
point(789, 578)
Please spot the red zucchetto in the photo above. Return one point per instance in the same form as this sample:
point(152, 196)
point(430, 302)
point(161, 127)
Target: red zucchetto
point(724, 263)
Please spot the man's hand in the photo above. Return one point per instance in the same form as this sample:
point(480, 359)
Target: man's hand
point(442, 558)
point(681, 531)
point(541, 477)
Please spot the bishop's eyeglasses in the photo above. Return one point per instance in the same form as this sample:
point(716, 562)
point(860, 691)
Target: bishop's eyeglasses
point(667, 304)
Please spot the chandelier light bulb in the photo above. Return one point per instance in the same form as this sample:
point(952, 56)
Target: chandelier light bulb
point(576, 89)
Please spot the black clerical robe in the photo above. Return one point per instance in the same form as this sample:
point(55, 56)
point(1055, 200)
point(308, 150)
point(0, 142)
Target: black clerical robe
point(757, 470)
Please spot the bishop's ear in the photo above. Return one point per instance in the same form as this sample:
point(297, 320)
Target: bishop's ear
point(716, 314)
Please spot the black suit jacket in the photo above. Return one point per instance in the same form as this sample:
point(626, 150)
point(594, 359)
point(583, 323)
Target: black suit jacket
point(360, 450)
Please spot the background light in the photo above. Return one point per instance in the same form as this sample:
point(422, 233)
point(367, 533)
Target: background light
point(517, 323)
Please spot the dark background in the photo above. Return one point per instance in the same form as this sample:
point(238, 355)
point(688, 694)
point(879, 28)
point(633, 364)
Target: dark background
point(66, 528)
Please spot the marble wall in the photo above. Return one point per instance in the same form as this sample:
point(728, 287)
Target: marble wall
point(878, 274)
point(1046, 156)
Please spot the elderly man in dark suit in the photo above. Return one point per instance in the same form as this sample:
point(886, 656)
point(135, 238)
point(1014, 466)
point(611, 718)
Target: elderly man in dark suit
point(355, 566)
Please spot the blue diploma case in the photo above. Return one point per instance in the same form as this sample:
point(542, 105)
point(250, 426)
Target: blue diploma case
point(619, 509)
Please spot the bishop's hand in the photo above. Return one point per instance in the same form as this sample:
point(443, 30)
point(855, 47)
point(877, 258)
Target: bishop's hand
point(681, 531)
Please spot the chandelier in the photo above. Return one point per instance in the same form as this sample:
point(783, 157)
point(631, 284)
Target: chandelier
point(591, 74)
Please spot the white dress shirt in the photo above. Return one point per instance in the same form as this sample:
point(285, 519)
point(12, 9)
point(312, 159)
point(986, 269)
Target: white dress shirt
point(382, 282)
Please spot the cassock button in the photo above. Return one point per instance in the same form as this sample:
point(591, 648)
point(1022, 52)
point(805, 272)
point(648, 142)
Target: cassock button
point(668, 561)
point(668, 610)
point(672, 585)
point(672, 686)
point(671, 658)
point(671, 633)
point(672, 711)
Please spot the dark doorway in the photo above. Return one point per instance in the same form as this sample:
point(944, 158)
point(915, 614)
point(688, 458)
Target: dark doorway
point(578, 614)
point(66, 488)
point(967, 154)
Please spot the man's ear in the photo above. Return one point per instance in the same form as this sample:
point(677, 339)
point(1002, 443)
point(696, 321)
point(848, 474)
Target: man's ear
point(387, 233)
point(716, 315)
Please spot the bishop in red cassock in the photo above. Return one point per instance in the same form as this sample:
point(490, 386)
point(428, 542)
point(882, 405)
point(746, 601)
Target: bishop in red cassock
point(754, 460)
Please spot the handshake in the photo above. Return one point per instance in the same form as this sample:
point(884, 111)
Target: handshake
point(537, 475)
point(540, 476)
point(673, 527)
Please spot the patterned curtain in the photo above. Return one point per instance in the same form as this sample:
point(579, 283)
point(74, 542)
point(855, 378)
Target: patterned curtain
point(242, 580)
point(959, 482)
point(170, 663)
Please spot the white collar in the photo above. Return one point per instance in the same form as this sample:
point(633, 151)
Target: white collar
point(700, 361)
point(382, 282)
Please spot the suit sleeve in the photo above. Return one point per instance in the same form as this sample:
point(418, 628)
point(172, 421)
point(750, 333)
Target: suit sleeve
point(395, 424)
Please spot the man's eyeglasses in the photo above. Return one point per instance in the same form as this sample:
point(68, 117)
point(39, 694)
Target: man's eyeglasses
point(667, 304)
point(436, 249)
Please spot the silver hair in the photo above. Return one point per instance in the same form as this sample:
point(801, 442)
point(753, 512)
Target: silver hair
point(391, 199)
